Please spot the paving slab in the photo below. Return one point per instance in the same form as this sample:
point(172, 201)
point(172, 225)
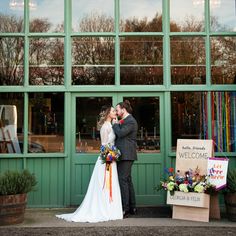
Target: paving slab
point(44, 222)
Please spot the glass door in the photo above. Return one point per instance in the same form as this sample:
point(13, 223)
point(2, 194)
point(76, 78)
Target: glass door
point(148, 111)
point(86, 142)
point(147, 171)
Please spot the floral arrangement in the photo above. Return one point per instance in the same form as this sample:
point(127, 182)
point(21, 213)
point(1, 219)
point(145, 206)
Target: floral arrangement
point(109, 153)
point(189, 181)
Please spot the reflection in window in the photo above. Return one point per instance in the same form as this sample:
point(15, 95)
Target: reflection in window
point(46, 122)
point(87, 17)
point(146, 110)
point(93, 60)
point(189, 116)
point(47, 16)
point(224, 121)
point(223, 16)
point(188, 60)
point(87, 113)
point(46, 61)
point(141, 60)
point(141, 16)
point(185, 16)
point(223, 60)
point(11, 122)
point(11, 18)
point(11, 61)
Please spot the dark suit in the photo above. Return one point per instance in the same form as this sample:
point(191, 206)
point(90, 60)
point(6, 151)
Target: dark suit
point(126, 135)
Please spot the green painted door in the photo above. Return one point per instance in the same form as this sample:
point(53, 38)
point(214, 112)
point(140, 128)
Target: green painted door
point(148, 111)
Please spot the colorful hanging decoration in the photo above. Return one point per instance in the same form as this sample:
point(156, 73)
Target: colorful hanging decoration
point(224, 121)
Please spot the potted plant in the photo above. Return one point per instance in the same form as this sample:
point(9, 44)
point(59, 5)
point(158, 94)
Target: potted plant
point(230, 195)
point(14, 186)
point(188, 189)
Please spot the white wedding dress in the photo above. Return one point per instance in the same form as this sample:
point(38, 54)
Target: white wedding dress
point(97, 205)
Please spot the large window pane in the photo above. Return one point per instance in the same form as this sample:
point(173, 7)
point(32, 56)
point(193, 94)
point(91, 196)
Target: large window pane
point(11, 122)
point(46, 61)
point(223, 16)
point(46, 122)
point(47, 16)
point(141, 16)
point(11, 17)
point(93, 16)
point(224, 121)
point(188, 60)
point(93, 60)
point(11, 61)
point(146, 110)
point(223, 60)
point(141, 60)
point(189, 116)
point(87, 135)
point(186, 15)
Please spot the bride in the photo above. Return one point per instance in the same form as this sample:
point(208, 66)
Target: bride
point(98, 205)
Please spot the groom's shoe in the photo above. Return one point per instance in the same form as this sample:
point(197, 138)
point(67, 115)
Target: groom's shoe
point(133, 211)
point(125, 214)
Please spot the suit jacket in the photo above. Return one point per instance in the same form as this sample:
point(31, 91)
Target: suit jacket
point(126, 138)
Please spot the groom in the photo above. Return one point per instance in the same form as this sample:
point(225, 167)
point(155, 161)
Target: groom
point(126, 133)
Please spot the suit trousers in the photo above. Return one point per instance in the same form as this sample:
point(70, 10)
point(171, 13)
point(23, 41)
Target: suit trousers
point(126, 184)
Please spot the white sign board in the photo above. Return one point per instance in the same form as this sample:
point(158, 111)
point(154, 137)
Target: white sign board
point(217, 170)
point(193, 153)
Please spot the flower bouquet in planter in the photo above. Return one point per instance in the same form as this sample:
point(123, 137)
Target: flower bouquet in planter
point(187, 181)
point(187, 188)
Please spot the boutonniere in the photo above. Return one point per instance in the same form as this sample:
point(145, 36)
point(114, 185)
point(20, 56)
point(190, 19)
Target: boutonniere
point(121, 122)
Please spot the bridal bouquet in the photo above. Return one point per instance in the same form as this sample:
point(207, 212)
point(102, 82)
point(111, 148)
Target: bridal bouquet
point(109, 153)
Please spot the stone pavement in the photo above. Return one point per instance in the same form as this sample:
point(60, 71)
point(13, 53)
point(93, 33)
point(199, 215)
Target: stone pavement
point(146, 222)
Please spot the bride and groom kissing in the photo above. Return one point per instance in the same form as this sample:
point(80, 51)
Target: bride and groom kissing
point(110, 194)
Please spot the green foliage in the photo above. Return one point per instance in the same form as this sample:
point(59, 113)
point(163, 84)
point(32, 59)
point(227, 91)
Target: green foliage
point(231, 180)
point(17, 182)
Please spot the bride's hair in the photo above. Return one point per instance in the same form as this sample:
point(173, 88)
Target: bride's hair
point(105, 110)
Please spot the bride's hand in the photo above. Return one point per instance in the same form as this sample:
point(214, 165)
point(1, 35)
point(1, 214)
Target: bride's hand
point(114, 121)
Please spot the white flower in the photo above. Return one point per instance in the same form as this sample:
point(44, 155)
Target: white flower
point(170, 186)
point(183, 188)
point(199, 188)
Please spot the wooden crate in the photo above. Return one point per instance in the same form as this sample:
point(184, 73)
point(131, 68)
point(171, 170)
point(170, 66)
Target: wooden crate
point(190, 206)
point(190, 213)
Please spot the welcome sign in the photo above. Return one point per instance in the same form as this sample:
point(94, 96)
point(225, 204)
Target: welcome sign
point(193, 153)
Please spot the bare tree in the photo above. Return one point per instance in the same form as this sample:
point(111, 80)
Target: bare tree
point(46, 56)
point(93, 57)
point(11, 51)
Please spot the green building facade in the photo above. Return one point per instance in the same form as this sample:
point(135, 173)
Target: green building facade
point(61, 60)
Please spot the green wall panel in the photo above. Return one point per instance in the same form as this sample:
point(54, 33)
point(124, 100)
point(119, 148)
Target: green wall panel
point(10, 164)
point(50, 174)
point(80, 182)
point(146, 177)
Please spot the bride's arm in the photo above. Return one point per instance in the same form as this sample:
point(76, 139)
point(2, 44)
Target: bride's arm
point(104, 134)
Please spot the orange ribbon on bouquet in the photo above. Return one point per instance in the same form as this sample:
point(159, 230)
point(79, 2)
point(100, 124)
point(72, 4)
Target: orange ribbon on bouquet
point(109, 184)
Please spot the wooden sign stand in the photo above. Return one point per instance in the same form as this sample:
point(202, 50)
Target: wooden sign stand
point(190, 154)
